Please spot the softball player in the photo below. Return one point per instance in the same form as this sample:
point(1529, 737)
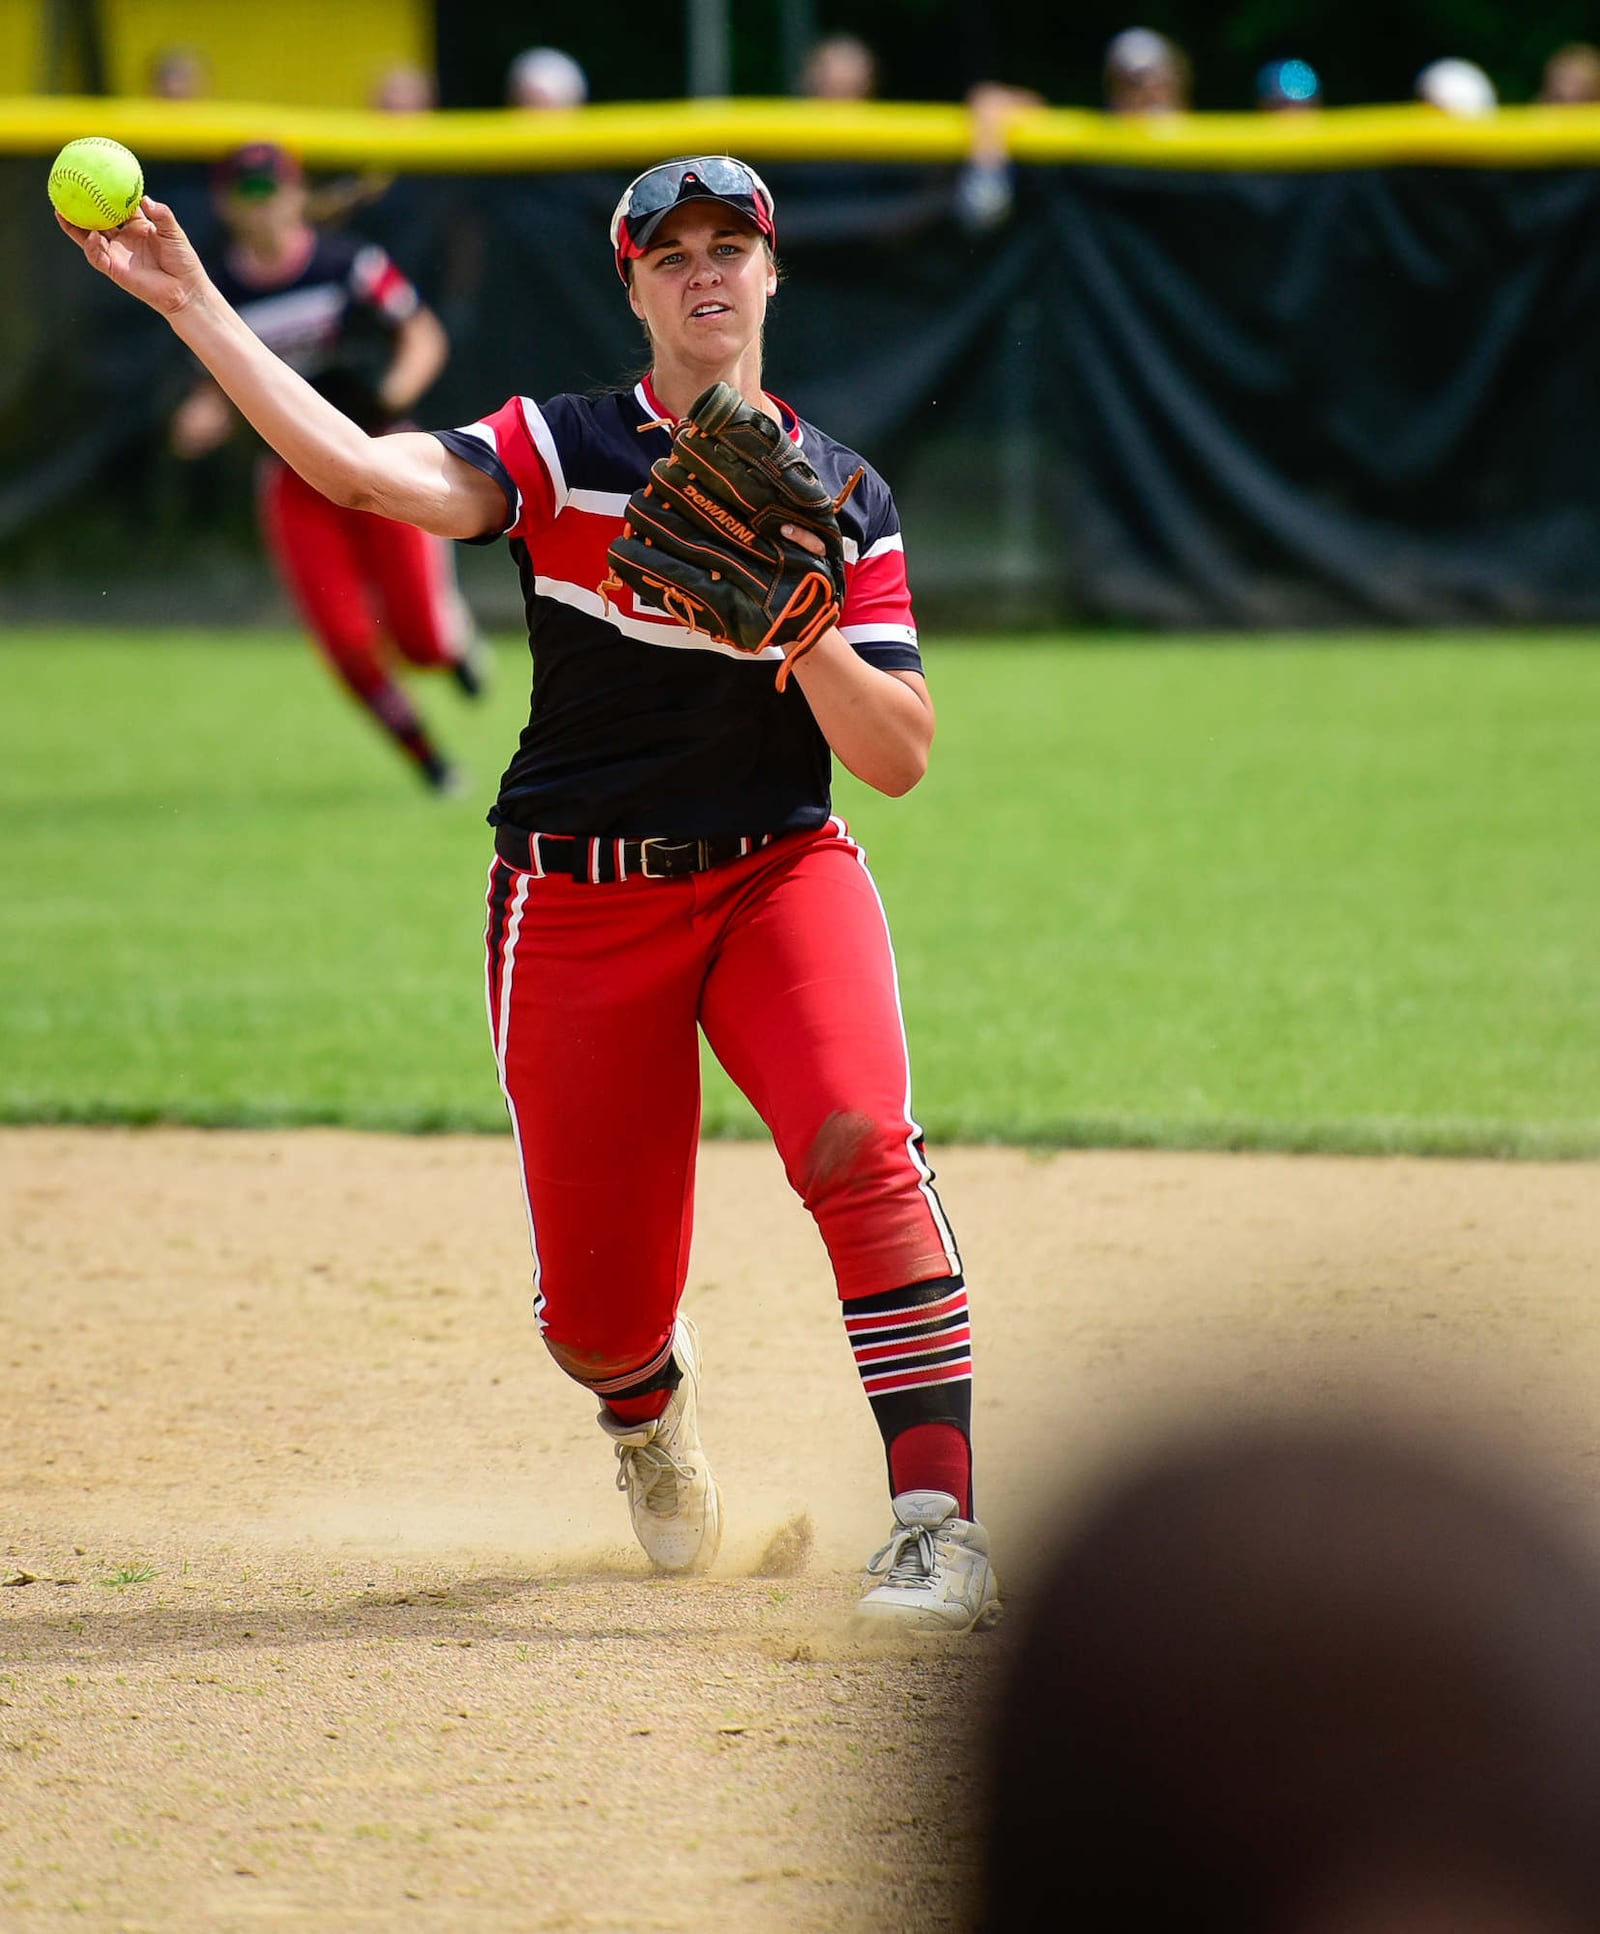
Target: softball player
point(666, 860)
point(341, 313)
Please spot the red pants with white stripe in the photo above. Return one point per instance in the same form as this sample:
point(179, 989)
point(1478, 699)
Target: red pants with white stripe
point(363, 584)
point(595, 997)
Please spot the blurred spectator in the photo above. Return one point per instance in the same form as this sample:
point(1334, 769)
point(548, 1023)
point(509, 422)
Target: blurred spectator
point(1303, 1678)
point(1145, 73)
point(1288, 87)
point(1457, 87)
point(179, 74)
point(405, 88)
point(1571, 76)
point(985, 187)
point(839, 67)
point(545, 77)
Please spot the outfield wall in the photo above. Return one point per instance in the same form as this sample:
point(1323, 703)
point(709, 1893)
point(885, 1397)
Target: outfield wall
point(1210, 373)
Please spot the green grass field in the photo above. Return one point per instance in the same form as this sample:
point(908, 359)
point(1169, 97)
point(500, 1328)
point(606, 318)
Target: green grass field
point(1338, 894)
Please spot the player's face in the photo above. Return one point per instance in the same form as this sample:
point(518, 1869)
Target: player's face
point(702, 287)
point(260, 220)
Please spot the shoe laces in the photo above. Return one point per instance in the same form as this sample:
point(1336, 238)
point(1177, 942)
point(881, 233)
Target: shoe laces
point(654, 1473)
point(908, 1559)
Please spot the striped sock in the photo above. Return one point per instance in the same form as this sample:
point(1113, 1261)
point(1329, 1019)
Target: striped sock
point(913, 1349)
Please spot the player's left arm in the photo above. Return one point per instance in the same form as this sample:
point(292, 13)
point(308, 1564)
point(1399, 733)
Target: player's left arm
point(421, 350)
point(419, 347)
point(879, 723)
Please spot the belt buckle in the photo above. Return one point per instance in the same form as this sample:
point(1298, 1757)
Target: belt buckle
point(644, 856)
point(699, 847)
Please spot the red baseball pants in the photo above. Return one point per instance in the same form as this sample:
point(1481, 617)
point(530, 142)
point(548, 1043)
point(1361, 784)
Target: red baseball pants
point(362, 582)
point(595, 995)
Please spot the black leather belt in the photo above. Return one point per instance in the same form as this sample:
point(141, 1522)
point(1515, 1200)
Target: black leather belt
point(602, 862)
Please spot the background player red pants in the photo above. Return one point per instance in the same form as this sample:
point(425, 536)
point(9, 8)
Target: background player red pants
point(362, 582)
point(595, 995)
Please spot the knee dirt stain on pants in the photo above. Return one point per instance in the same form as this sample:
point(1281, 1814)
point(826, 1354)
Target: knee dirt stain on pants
point(868, 1195)
point(836, 1151)
point(590, 1366)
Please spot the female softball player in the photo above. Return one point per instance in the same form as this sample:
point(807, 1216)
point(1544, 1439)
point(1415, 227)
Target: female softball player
point(666, 860)
point(337, 309)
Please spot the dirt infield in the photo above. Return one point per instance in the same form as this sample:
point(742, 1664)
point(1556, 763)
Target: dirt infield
point(319, 1610)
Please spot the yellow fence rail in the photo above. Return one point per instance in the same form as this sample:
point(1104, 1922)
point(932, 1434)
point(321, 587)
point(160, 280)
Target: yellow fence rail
point(498, 140)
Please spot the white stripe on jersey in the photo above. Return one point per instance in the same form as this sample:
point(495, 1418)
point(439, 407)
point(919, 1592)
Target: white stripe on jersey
point(893, 542)
point(545, 443)
point(663, 631)
point(878, 634)
point(297, 321)
point(600, 503)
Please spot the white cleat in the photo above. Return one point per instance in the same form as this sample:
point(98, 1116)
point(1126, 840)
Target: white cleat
point(672, 1496)
point(934, 1573)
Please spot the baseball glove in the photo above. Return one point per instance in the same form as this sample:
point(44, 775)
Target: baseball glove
point(702, 538)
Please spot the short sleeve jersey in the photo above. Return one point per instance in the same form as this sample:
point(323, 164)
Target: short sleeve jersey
point(639, 726)
point(333, 320)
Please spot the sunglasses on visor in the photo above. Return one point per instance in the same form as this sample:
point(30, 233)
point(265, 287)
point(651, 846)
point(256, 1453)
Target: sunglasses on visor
point(717, 177)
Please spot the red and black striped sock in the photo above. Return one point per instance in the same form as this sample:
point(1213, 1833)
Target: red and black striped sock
point(913, 1348)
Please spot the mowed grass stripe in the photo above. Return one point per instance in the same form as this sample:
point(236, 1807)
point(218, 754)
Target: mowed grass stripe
point(1205, 893)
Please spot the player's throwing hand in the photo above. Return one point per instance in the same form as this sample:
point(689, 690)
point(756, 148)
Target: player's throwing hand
point(149, 256)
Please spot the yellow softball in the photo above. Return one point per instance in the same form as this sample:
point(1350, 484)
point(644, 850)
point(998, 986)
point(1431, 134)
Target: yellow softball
point(96, 183)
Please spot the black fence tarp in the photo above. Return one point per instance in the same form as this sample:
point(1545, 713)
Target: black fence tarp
point(1150, 398)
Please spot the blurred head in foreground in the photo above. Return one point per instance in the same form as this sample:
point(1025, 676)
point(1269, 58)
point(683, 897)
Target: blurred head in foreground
point(1145, 73)
point(1303, 1679)
point(1457, 87)
point(545, 77)
point(1571, 76)
point(1288, 87)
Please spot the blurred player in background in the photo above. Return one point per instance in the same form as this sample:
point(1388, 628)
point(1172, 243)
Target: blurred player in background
point(1312, 1676)
point(339, 311)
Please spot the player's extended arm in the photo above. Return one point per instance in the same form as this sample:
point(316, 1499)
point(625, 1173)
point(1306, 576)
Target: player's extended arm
point(409, 476)
point(421, 350)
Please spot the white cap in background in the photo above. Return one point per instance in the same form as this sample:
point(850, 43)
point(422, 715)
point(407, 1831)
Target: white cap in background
point(1457, 86)
point(546, 77)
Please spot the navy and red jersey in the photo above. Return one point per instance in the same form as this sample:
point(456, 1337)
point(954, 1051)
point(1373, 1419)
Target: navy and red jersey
point(639, 726)
point(333, 317)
